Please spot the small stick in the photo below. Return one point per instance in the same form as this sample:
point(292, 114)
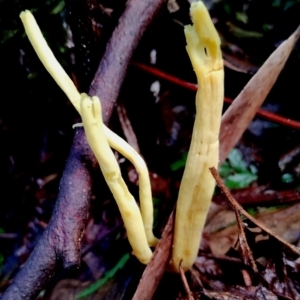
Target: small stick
point(193, 87)
point(236, 207)
point(185, 283)
point(246, 251)
point(196, 276)
point(247, 278)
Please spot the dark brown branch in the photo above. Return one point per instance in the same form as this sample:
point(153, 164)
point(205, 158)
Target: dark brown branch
point(60, 242)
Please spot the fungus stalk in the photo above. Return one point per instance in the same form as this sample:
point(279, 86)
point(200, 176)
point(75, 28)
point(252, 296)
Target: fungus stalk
point(92, 122)
point(197, 185)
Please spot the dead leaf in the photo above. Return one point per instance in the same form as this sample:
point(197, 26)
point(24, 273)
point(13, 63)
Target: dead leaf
point(284, 223)
point(242, 65)
point(239, 115)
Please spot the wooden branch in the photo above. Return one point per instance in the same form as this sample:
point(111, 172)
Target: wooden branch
point(60, 242)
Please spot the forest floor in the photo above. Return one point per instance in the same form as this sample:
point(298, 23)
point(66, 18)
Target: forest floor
point(239, 258)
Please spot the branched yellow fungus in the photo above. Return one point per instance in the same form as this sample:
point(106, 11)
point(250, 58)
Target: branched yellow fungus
point(92, 121)
point(203, 47)
point(197, 185)
point(145, 193)
point(63, 80)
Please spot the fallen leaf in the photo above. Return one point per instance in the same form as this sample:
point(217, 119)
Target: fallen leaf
point(239, 115)
point(222, 232)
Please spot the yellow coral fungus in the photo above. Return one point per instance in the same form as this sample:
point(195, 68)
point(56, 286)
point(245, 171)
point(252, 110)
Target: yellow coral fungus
point(63, 80)
point(197, 185)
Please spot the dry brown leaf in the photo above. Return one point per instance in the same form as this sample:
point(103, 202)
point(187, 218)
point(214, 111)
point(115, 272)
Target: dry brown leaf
point(284, 223)
point(242, 65)
point(221, 240)
point(239, 115)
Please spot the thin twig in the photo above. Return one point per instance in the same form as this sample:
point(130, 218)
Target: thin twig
point(246, 277)
point(262, 196)
point(193, 87)
point(236, 207)
point(185, 283)
point(196, 276)
point(246, 251)
point(247, 256)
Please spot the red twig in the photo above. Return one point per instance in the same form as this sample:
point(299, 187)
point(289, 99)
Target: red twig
point(261, 196)
point(193, 87)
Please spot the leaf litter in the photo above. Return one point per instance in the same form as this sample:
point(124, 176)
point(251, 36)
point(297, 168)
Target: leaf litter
point(202, 278)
